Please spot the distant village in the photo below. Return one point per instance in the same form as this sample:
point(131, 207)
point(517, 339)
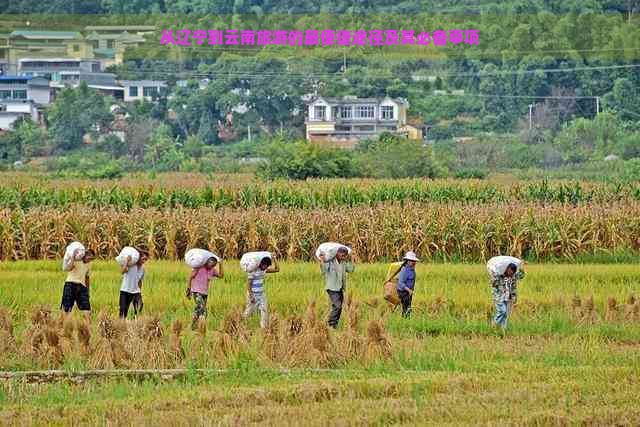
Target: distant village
point(35, 65)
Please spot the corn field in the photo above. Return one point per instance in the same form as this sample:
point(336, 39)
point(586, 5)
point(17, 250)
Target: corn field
point(312, 194)
point(436, 231)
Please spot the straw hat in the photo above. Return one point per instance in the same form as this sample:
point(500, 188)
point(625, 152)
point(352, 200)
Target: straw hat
point(411, 256)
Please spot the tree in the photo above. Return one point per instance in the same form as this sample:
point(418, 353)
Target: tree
point(161, 153)
point(30, 138)
point(395, 157)
point(302, 160)
point(623, 99)
point(137, 136)
point(75, 113)
point(196, 112)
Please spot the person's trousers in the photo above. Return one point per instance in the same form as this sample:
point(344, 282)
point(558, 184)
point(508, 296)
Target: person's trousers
point(126, 299)
point(335, 298)
point(502, 313)
point(405, 300)
point(259, 303)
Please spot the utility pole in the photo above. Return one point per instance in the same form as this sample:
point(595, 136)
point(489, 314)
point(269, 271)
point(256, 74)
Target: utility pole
point(597, 105)
point(249, 132)
point(344, 62)
point(530, 116)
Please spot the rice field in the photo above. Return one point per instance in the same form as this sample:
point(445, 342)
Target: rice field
point(569, 356)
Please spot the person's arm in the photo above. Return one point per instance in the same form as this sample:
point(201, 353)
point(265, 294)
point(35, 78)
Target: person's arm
point(125, 268)
point(87, 280)
point(249, 294)
point(140, 284)
point(194, 273)
point(325, 267)
point(274, 268)
point(220, 270)
point(349, 267)
point(73, 261)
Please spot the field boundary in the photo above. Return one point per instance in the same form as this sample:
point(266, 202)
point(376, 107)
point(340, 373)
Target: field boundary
point(165, 374)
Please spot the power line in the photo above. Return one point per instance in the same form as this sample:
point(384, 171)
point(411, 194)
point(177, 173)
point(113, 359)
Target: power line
point(334, 75)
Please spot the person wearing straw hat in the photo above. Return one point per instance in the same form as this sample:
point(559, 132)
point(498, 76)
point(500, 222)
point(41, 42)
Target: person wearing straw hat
point(407, 282)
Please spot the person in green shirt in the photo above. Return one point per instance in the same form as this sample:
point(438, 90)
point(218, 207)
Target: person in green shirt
point(335, 276)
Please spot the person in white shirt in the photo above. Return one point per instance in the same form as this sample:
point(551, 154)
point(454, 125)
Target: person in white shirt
point(131, 289)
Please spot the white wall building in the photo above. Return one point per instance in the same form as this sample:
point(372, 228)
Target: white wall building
point(10, 111)
point(137, 90)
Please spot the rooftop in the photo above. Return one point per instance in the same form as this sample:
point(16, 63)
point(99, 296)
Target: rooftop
point(355, 100)
point(142, 83)
point(105, 52)
point(120, 28)
point(5, 77)
point(62, 35)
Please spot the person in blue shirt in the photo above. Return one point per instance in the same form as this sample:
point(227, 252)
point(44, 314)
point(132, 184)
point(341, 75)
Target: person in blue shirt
point(407, 282)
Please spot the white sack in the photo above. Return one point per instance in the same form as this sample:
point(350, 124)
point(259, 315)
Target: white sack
point(496, 266)
point(128, 251)
point(251, 260)
point(68, 260)
point(329, 250)
point(196, 258)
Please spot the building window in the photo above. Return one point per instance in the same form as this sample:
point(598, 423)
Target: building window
point(95, 44)
point(109, 44)
point(76, 48)
point(364, 112)
point(346, 112)
point(365, 128)
point(133, 91)
point(320, 112)
point(20, 94)
point(150, 91)
point(387, 112)
point(5, 94)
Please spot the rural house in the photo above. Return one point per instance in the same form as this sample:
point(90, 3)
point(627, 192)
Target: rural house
point(346, 121)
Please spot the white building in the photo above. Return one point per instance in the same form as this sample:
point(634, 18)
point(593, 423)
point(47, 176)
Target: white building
point(137, 90)
point(348, 120)
point(11, 110)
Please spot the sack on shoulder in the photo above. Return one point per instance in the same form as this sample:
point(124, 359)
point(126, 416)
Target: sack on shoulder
point(391, 293)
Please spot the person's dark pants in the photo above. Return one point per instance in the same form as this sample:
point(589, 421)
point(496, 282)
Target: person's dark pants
point(126, 299)
point(405, 299)
point(336, 298)
point(75, 293)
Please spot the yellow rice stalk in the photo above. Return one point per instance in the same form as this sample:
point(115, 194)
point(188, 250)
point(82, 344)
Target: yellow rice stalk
point(378, 345)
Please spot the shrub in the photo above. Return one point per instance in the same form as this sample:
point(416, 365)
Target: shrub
point(302, 160)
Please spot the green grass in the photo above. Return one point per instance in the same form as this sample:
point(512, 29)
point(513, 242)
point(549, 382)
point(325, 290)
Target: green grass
point(448, 364)
point(463, 288)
